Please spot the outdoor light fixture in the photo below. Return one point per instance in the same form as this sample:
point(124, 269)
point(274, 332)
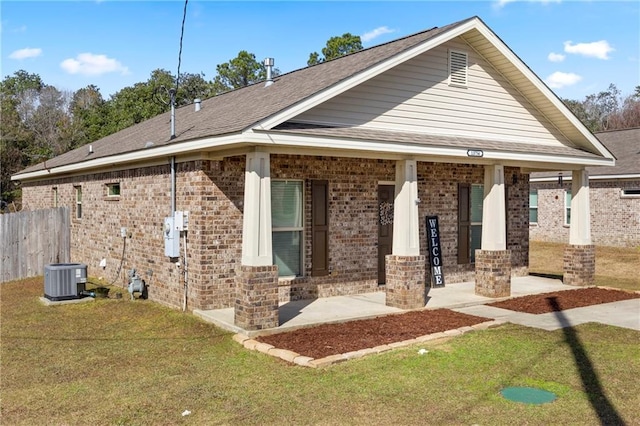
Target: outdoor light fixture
point(560, 179)
point(514, 179)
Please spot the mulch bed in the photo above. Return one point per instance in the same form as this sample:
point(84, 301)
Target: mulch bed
point(563, 300)
point(331, 339)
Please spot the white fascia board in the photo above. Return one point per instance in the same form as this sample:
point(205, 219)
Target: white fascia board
point(365, 75)
point(408, 150)
point(136, 156)
point(539, 84)
point(607, 177)
point(549, 179)
point(601, 177)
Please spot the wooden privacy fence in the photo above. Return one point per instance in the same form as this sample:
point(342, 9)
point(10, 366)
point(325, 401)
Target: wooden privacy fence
point(29, 240)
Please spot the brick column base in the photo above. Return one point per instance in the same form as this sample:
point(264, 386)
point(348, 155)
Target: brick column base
point(405, 282)
point(256, 306)
point(493, 273)
point(579, 265)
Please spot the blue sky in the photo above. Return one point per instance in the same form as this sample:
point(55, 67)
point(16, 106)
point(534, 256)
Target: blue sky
point(576, 47)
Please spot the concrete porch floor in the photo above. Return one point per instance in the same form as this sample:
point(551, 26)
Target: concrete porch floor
point(303, 313)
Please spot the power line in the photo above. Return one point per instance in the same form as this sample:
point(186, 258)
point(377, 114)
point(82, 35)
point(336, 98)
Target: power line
point(159, 92)
point(184, 17)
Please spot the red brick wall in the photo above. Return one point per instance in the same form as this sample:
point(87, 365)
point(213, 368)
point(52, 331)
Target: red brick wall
point(214, 238)
point(517, 187)
point(353, 221)
point(140, 208)
point(212, 191)
point(438, 190)
point(615, 220)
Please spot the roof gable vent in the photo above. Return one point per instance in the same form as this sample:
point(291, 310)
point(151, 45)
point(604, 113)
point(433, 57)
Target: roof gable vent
point(457, 68)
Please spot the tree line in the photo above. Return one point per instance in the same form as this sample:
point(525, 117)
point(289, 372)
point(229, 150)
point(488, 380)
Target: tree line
point(607, 110)
point(39, 121)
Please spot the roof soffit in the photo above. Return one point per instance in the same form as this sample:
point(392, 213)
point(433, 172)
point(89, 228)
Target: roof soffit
point(487, 44)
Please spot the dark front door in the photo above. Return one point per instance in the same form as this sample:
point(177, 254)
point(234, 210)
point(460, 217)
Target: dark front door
point(386, 195)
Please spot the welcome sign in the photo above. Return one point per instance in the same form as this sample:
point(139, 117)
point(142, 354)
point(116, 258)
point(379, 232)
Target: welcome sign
point(435, 252)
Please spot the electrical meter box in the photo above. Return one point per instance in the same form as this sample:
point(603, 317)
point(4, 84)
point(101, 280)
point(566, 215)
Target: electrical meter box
point(182, 220)
point(171, 238)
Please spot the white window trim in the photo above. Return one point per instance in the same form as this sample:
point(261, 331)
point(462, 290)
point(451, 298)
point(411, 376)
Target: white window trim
point(472, 254)
point(481, 210)
point(452, 52)
point(294, 228)
point(625, 195)
point(78, 190)
point(566, 208)
point(111, 185)
point(534, 207)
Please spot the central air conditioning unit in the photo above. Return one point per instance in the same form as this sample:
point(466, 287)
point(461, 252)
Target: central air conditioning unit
point(64, 281)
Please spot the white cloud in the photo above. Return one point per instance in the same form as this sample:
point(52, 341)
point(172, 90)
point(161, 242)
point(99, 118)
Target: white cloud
point(90, 64)
point(501, 3)
point(26, 53)
point(558, 79)
point(556, 57)
point(20, 29)
point(368, 36)
point(597, 49)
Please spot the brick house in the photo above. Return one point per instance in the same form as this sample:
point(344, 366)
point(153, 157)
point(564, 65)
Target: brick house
point(614, 193)
point(318, 182)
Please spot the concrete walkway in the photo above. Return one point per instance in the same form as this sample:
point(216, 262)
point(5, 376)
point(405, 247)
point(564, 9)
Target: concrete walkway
point(460, 297)
point(625, 314)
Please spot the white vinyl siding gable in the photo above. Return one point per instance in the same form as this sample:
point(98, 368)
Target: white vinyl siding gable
point(416, 97)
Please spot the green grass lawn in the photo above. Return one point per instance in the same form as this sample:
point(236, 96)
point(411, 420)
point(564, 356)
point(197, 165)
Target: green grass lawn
point(136, 362)
point(617, 267)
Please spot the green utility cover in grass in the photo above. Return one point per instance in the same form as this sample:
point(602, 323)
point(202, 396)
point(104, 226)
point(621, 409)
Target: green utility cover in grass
point(528, 395)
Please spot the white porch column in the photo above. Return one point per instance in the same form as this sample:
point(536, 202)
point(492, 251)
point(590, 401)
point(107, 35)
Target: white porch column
point(256, 225)
point(580, 227)
point(493, 260)
point(580, 254)
point(494, 235)
point(405, 267)
point(406, 230)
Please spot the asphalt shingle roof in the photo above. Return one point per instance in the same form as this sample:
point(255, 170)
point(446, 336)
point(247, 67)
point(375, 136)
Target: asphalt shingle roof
point(623, 144)
point(238, 110)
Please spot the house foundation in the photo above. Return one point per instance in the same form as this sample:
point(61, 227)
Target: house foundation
point(493, 273)
point(256, 306)
point(405, 286)
point(579, 265)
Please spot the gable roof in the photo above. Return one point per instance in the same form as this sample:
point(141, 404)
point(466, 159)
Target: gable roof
point(228, 119)
point(624, 144)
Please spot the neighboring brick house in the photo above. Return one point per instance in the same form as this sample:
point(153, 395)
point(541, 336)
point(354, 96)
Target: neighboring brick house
point(319, 182)
point(614, 196)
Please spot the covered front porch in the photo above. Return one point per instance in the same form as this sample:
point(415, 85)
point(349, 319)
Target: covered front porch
point(310, 312)
point(489, 231)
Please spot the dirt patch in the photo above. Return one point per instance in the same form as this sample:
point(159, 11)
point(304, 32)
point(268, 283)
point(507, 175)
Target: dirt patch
point(563, 300)
point(331, 339)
